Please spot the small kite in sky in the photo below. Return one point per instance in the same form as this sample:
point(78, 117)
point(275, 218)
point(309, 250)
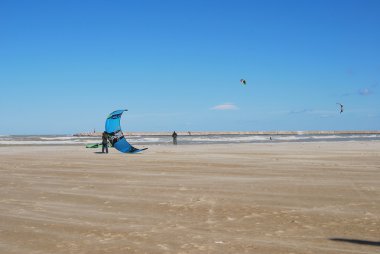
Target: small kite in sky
point(243, 82)
point(341, 107)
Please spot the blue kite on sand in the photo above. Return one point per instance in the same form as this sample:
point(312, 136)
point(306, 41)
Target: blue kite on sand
point(116, 136)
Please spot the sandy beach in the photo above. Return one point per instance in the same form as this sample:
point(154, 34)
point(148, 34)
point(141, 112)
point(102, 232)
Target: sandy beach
point(317, 197)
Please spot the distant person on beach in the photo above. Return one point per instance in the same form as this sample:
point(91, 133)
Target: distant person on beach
point(104, 142)
point(174, 135)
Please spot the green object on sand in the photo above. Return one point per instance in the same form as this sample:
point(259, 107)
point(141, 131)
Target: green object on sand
point(97, 145)
point(93, 145)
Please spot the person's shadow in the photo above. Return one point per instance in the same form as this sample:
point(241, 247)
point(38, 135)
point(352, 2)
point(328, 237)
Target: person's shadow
point(98, 152)
point(356, 241)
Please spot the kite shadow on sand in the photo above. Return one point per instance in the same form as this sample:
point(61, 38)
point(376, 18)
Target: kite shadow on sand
point(356, 241)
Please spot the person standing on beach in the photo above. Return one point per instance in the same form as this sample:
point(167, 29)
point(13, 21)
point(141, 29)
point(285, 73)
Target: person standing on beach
point(174, 135)
point(104, 142)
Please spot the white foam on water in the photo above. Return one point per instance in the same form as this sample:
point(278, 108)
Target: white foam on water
point(286, 138)
point(59, 138)
point(229, 139)
point(135, 139)
point(36, 142)
point(132, 136)
point(146, 140)
point(343, 136)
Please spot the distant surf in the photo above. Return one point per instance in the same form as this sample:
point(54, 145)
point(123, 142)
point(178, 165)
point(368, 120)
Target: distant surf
point(186, 138)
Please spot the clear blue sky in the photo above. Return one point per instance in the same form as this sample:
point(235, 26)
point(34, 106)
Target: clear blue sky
point(176, 65)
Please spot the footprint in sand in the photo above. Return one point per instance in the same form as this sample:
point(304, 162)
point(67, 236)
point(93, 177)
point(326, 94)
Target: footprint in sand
point(163, 246)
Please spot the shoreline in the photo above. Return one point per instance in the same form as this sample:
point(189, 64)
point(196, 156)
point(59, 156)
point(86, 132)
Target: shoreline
point(184, 143)
point(198, 138)
point(207, 133)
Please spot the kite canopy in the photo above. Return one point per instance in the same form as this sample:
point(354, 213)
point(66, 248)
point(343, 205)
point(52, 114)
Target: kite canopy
point(116, 136)
point(341, 107)
point(243, 82)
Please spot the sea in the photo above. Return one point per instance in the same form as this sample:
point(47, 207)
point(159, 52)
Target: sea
point(36, 140)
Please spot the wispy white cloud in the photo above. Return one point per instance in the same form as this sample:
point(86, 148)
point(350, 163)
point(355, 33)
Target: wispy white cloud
point(302, 111)
point(373, 115)
point(316, 112)
point(225, 106)
point(368, 90)
point(362, 91)
point(365, 91)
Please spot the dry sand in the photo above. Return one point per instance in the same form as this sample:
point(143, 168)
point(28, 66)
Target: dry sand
point(244, 198)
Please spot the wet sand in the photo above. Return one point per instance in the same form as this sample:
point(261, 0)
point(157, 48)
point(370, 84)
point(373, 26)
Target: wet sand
point(321, 197)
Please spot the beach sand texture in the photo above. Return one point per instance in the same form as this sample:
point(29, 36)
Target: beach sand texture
point(321, 197)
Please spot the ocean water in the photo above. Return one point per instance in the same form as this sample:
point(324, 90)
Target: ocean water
point(11, 140)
